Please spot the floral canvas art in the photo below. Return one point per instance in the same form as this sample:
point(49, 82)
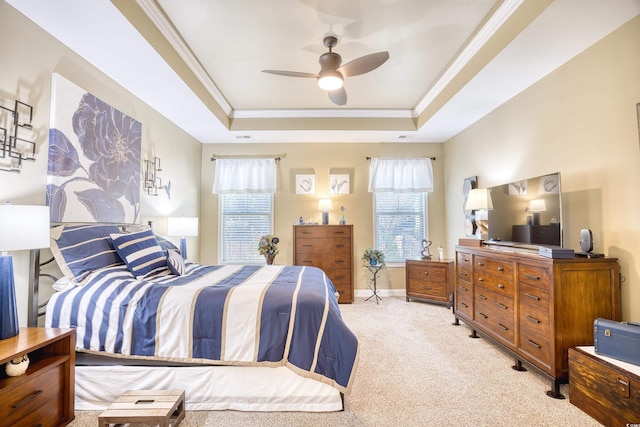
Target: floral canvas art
point(94, 159)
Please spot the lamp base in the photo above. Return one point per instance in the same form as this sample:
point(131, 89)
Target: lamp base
point(325, 218)
point(183, 247)
point(8, 307)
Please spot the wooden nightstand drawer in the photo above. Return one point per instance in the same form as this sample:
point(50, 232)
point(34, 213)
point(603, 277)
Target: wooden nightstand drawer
point(324, 231)
point(35, 401)
point(430, 281)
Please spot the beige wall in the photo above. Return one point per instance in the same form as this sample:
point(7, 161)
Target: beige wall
point(323, 159)
point(29, 57)
point(581, 121)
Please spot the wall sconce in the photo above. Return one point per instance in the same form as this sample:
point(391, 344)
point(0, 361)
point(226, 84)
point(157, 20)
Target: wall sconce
point(479, 200)
point(183, 227)
point(14, 149)
point(152, 182)
point(325, 206)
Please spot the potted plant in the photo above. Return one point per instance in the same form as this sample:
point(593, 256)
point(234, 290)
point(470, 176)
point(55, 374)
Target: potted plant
point(373, 257)
point(268, 247)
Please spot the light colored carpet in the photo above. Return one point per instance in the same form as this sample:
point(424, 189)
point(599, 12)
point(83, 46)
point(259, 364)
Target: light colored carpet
point(417, 369)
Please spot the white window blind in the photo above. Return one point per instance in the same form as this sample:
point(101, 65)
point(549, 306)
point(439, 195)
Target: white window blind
point(400, 224)
point(244, 218)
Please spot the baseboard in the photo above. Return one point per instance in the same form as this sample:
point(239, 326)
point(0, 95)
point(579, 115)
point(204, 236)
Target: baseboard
point(365, 293)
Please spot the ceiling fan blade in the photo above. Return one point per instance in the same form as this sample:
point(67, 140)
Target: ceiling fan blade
point(338, 96)
point(364, 64)
point(290, 73)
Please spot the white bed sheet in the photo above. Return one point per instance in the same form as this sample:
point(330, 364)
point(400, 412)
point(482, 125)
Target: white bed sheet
point(209, 388)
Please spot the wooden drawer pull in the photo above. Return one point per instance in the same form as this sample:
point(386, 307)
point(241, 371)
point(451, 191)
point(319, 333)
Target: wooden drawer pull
point(533, 319)
point(532, 297)
point(27, 399)
point(502, 306)
point(531, 276)
point(503, 327)
point(536, 345)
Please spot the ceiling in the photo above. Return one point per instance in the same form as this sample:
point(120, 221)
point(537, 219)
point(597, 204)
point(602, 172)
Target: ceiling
point(199, 62)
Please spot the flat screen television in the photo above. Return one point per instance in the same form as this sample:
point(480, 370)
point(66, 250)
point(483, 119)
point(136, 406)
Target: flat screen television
point(527, 212)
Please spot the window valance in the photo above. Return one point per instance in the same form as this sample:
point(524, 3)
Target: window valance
point(401, 175)
point(244, 176)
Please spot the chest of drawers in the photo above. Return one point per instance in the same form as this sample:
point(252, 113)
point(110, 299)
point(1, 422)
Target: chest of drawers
point(537, 308)
point(44, 395)
point(430, 281)
point(329, 247)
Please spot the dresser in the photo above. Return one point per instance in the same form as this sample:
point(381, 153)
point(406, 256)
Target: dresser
point(430, 281)
point(45, 394)
point(329, 247)
point(537, 308)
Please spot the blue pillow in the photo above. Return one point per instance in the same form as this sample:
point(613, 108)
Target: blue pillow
point(81, 249)
point(166, 244)
point(141, 252)
point(175, 262)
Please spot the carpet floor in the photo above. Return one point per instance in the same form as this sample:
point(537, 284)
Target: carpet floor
point(418, 369)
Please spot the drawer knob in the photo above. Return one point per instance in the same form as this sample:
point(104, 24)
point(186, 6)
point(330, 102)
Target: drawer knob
point(480, 279)
point(27, 399)
point(480, 264)
point(426, 273)
point(500, 285)
point(500, 268)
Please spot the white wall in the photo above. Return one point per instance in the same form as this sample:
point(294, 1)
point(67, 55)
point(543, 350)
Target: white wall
point(581, 121)
point(29, 57)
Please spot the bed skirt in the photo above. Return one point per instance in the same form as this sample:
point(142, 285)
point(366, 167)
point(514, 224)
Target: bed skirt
point(209, 388)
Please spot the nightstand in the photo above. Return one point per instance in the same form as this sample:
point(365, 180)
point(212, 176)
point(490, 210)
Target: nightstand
point(430, 281)
point(45, 394)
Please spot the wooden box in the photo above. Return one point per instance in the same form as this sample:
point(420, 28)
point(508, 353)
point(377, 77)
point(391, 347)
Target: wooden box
point(605, 388)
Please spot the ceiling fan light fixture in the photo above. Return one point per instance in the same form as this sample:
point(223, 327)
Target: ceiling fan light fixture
point(330, 80)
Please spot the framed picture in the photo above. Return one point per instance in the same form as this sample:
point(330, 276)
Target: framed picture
point(305, 183)
point(339, 184)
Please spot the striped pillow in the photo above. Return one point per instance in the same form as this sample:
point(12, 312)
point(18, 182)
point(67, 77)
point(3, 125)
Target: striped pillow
point(81, 249)
point(175, 262)
point(141, 252)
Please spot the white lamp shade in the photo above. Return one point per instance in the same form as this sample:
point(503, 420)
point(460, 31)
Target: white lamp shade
point(325, 205)
point(479, 198)
point(537, 205)
point(24, 227)
point(182, 226)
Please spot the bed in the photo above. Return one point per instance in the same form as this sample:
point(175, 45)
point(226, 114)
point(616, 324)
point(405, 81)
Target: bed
point(242, 337)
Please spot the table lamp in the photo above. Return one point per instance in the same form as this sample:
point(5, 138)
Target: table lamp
point(479, 200)
point(325, 206)
point(184, 227)
point(536, 206)
point(21, 228)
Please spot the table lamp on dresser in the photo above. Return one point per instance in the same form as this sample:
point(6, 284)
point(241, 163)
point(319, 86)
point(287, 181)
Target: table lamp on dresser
point(21, 228)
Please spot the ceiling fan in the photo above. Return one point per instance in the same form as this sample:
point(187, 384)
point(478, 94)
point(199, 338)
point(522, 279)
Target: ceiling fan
point(332, 74)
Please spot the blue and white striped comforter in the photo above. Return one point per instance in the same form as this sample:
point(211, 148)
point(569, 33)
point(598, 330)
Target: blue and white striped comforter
point(227, 315)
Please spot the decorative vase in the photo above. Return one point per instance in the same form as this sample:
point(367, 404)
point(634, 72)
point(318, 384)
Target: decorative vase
point(343, 220)
point(269, 258)
point(373, 261)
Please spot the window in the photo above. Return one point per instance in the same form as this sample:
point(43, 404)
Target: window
point(244, 218)
point(400, 224)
